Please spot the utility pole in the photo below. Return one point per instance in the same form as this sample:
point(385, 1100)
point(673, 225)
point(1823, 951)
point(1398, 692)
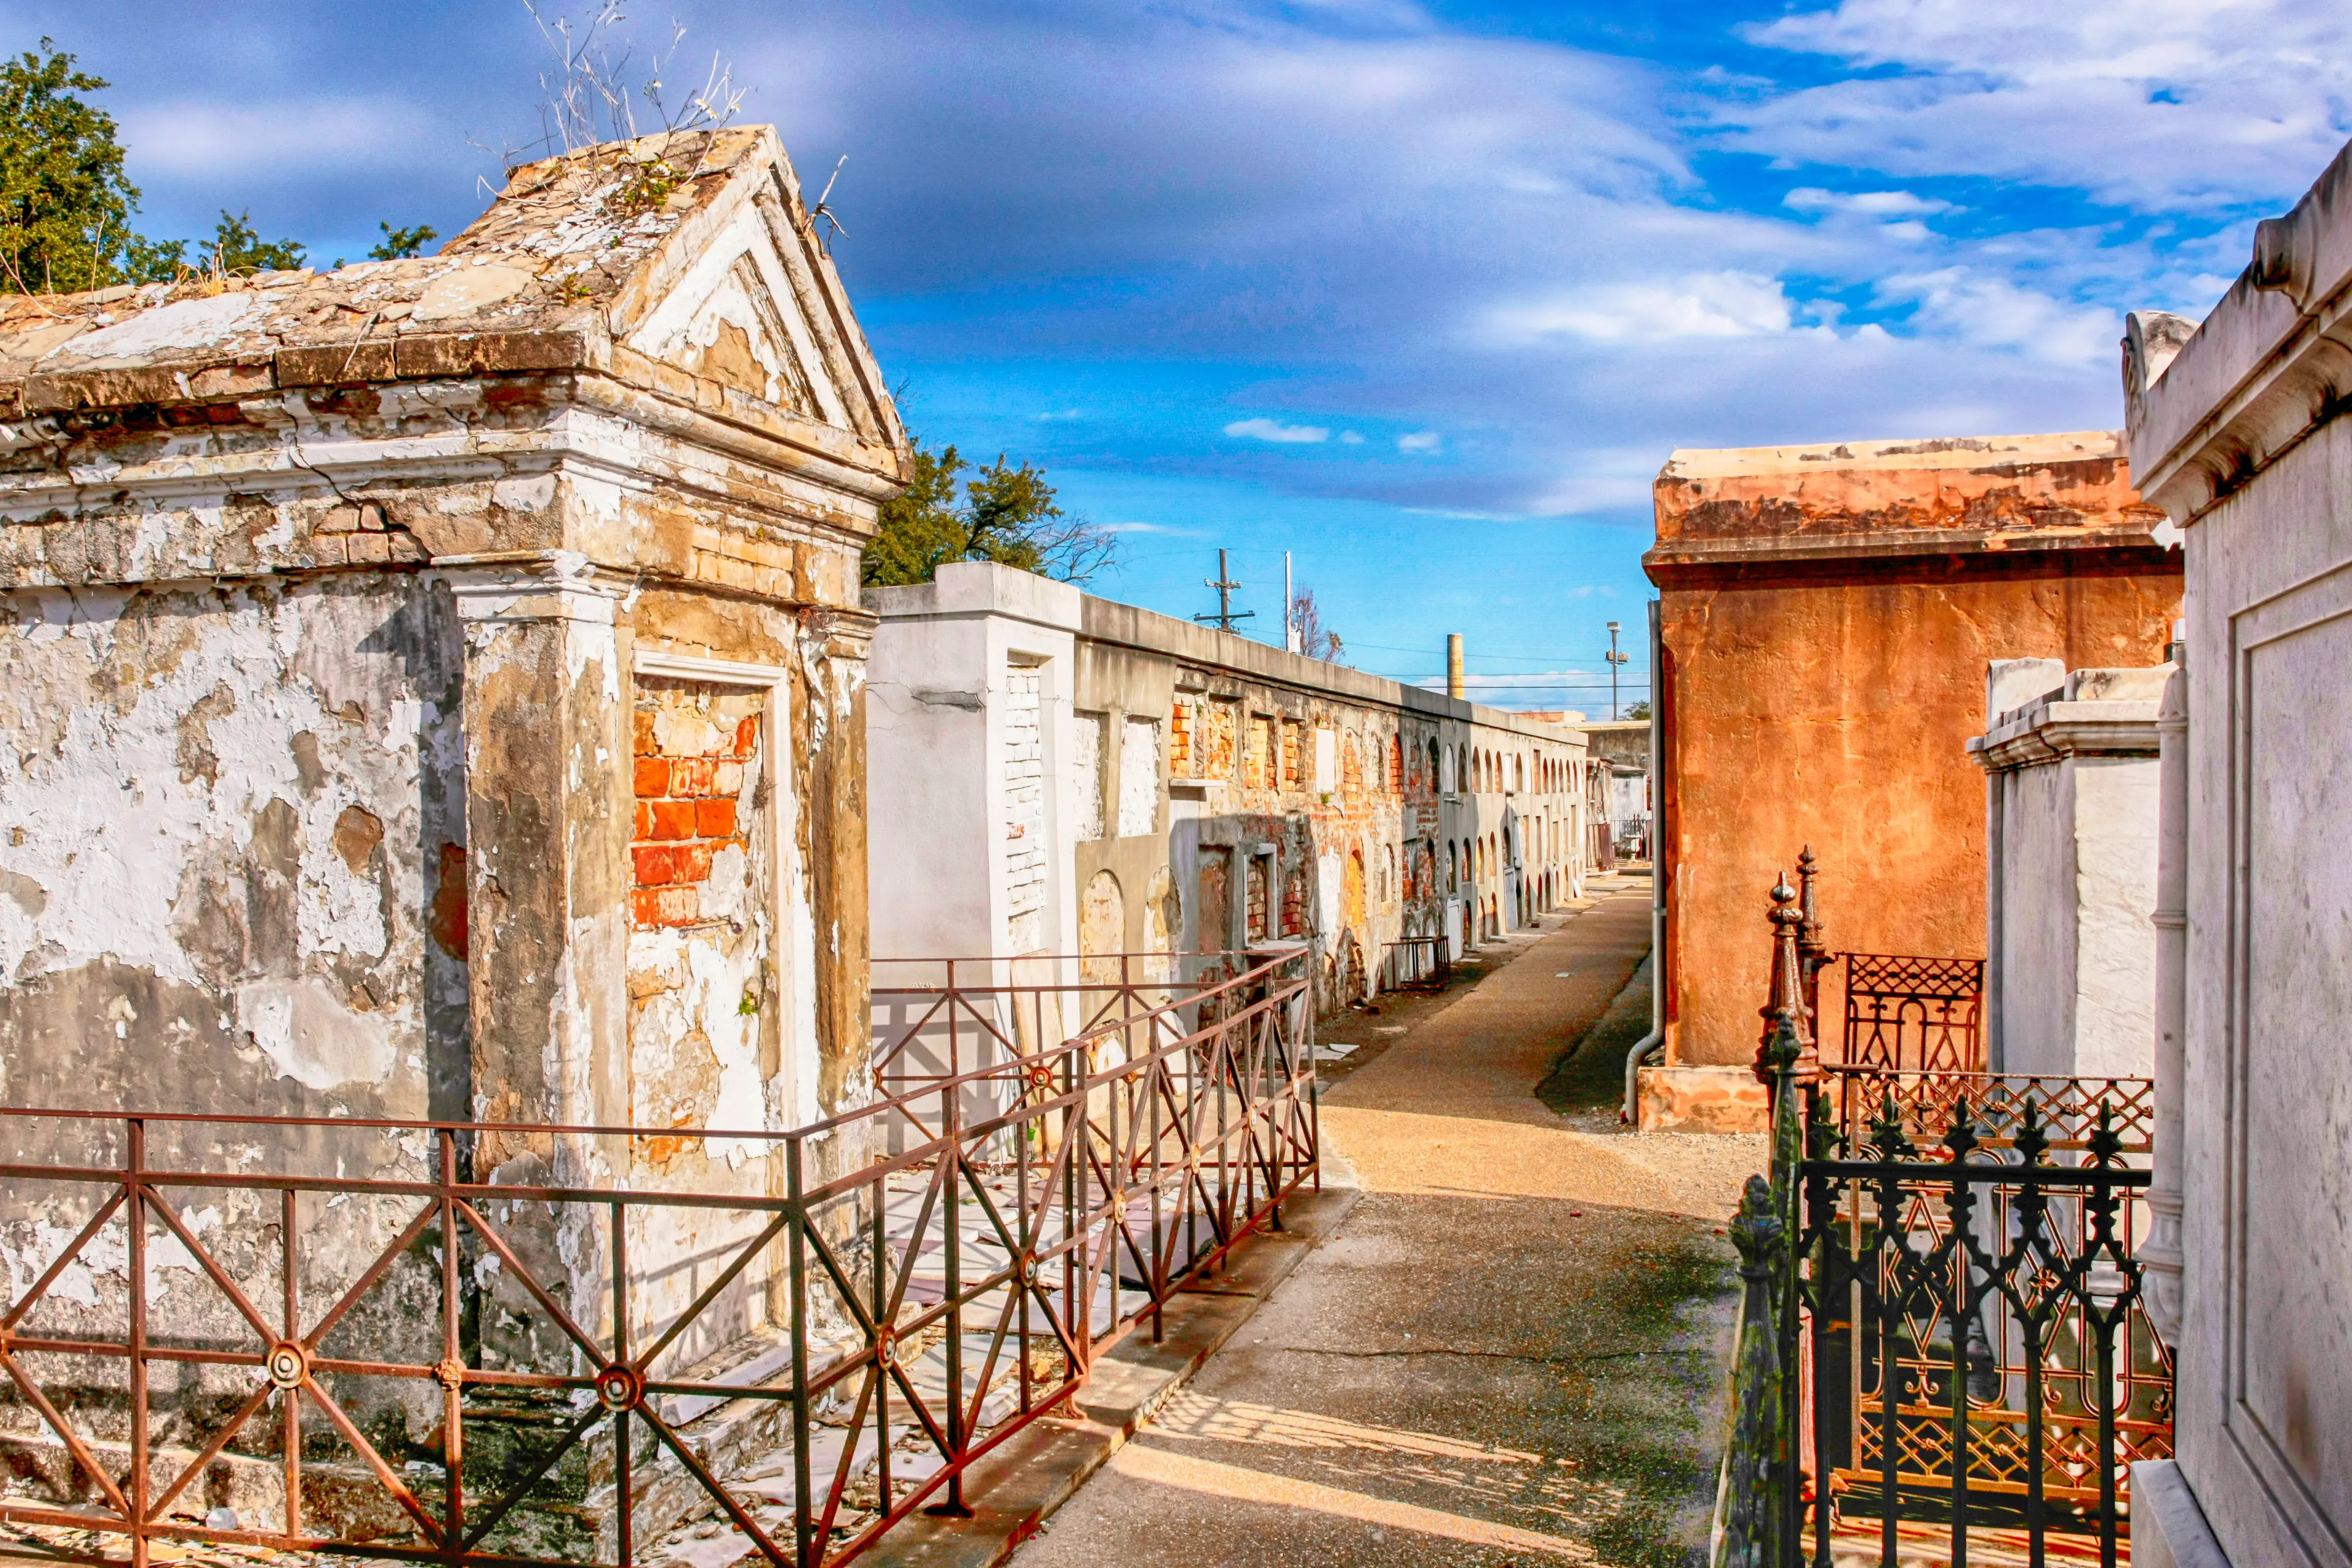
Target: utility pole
point(1455, 686)
point(1615, 659)
point(1289, 619)
point(1225, 585)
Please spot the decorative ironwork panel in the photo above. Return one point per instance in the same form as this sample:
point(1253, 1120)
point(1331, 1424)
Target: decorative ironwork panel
point(1914, 1013)
point(1979, 1355)
point(2066, 1111)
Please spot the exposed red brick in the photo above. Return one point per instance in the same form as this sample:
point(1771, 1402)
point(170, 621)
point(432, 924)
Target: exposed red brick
point(678, 906)
point(694, 862)
point(714, 819)
point(653, 778)
point(642, 734)
point(645, 825)
point(691, 776)
point(746, 736)
point(447, 921)
point(645, 906)
point(674, 818)
point(653, 864)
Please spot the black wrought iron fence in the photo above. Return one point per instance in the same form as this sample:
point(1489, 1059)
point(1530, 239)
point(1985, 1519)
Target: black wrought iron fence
point(1942, 1332)
point(497, 1344)
point(1921, 1015)
point(1971, 1312)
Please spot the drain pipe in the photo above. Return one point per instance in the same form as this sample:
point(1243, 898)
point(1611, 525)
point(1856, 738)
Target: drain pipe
point(2160, 1253)
point(1651, 1045)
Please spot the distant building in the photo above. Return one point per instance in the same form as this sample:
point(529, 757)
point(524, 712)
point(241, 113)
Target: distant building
point(1826, 616)
point(1623, 747)
point(1054, 773)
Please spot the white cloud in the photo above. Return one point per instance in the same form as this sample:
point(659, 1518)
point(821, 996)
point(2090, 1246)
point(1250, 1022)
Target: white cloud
point(1700, 305)
point(1274, 430)
point(2146, 103)
point(1868, 203)
point(1349, 438)
point(1051, 416)
point(1992, 312)
point(1421, 441)
point(196, 136)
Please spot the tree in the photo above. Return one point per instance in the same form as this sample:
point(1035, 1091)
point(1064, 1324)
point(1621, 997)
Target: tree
point(1313, 637)
point(236, 249)
point(65, 200)
point(402, 243)
point(1000, 513)
point(1638, 710)
point(66, 204)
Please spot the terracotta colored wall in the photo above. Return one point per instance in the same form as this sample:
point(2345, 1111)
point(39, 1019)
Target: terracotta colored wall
point(1831, 704)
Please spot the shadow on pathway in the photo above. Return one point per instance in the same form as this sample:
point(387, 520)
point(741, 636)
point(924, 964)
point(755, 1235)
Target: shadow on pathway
point(1512, 1353)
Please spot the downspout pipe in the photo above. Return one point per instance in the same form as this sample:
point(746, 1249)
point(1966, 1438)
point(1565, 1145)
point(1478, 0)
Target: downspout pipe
point(1651, 1045)
point(2160, 1253)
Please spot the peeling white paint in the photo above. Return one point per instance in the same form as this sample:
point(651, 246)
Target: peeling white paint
point(309, 1036)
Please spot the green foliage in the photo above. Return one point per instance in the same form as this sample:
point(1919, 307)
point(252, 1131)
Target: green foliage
point(66, 204)
point(235, 248)
point(401, 242)
point(1638, 710)
point(65, 200)
point(1000, 513)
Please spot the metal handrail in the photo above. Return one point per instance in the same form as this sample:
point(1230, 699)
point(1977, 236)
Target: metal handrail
point(932, 1271)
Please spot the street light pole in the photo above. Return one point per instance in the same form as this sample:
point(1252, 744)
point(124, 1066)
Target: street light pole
point(1615, 659)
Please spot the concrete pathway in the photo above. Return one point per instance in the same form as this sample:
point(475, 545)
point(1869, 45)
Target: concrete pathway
point(1511, 1352)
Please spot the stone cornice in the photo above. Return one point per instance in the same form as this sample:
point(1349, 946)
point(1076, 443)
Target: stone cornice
point(2048, 732)
point(1802, 548)
point(2269, 366)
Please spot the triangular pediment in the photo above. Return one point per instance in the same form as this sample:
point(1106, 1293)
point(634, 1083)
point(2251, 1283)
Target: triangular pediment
point(742, 295)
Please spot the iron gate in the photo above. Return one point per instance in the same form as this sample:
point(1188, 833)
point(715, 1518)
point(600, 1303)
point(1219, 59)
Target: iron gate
point(1903, 1011)
point(1977, 1354)
point(1941, 1339)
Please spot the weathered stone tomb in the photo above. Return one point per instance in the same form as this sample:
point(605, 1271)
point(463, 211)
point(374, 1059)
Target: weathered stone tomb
point(433, 690)
point(430, 687)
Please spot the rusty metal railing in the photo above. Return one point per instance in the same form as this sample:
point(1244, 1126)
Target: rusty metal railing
point(498, 1343)
point(949, 1015)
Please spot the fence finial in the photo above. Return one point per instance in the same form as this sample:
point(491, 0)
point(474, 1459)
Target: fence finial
point(1812, 954)
point(1786, 1004)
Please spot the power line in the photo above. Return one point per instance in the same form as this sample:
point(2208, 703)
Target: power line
point(1517, 657)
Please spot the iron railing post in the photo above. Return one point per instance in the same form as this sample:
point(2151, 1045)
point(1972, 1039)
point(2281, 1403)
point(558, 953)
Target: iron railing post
point(135, 1214)
point(805, 1550)
point(1756, 1460)
point(453, 1414)
point(623, 1503)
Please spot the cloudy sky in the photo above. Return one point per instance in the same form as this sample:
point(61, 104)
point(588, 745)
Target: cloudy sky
point(1422, 292)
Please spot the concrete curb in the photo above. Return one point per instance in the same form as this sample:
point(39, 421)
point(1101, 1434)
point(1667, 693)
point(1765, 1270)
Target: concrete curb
point(1019, 1485)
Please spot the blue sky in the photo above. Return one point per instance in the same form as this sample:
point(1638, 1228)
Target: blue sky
point(1423, 293)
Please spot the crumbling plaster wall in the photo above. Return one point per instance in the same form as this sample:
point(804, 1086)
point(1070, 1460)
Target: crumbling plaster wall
point(1835, 710)
point(471, 527)
point(317, 790)
point(226, 814)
